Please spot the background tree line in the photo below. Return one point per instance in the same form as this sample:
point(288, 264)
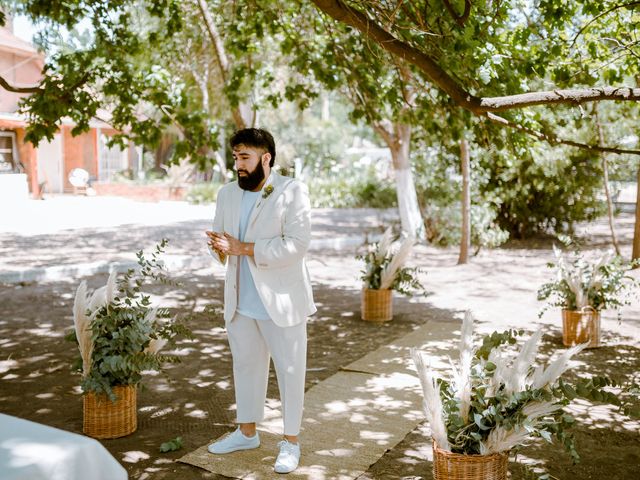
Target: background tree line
point(535, 99)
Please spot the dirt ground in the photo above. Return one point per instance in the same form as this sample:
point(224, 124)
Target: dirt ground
point(194, 399)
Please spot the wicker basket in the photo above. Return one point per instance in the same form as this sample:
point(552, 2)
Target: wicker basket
point(581, 326)
point(106, 419)
point(376, 305)
point(455, 466)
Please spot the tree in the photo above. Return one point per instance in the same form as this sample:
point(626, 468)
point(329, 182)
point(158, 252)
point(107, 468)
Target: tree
point(417, 38)
point(381, 93)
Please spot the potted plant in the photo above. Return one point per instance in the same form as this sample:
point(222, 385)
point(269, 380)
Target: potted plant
point(582, 289)
point(119, 335)
point(384, 272)
point(496, 400)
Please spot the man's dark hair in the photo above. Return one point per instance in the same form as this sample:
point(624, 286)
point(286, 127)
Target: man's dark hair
point(256, 138)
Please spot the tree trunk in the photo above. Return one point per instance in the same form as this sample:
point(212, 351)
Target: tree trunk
point(607, 191)
point(635, 255)
point(410, 217)
point(465, 242)
point(242, 113)
point(203, 83)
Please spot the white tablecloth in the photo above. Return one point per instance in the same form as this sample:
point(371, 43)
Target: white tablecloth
point(31, 451)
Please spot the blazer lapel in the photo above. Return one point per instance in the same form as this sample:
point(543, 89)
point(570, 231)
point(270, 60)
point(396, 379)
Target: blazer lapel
point(275, 180)
point(236, 203)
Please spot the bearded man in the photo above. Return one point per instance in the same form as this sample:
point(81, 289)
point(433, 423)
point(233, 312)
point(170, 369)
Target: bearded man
point(261, 232)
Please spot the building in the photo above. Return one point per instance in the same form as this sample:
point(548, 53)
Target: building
point(45, 169)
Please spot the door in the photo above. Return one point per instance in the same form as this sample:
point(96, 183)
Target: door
point(50, 164)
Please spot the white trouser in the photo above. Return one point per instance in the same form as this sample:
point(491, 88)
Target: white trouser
point(252, 342)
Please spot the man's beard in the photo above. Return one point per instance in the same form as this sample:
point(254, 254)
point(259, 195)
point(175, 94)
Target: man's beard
point(252, 179)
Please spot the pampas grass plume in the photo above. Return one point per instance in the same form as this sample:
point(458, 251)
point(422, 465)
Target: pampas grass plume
point(110, 292)
point(155, 345)
point(388, 275)
point(83, 327)
point(385, 244)
point(432, 401)
point(557, 367)
point(524, 361)
point(463, 375)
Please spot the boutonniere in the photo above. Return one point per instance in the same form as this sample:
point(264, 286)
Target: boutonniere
point(268, 190)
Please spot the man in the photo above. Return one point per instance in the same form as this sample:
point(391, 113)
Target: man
point(261, 231)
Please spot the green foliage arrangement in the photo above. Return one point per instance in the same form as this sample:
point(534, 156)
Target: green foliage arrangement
point(580, 283)
point(498, 399)
point(384, 266)
point(118, 331)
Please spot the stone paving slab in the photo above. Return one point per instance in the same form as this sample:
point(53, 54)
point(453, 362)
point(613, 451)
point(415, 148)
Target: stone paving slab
point(352, 418)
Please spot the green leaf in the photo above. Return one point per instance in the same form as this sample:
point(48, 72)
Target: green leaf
point(171, 445)
point(477, 418)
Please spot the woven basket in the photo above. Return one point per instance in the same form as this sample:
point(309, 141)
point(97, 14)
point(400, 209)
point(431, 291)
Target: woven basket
point(376, 305)
point(581, 326)
point(106, 419)
point(455, 466)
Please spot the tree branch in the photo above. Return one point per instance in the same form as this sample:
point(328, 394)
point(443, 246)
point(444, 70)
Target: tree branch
point(356, 19)
point(460, 19)
point(221, 56)
point(11, 88)
point(436, 74)
point(606, 12)
point(553, 140)
point(569, 96)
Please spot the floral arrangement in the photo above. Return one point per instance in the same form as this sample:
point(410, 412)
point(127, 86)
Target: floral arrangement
point(580, 283)
point(384, 265)
point(268, 190)
point(119, 333)
point(498, 398)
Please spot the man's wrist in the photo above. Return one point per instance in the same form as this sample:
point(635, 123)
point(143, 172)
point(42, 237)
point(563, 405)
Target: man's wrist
point(246, 248)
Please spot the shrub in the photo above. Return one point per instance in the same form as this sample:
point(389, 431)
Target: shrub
point(203, 193)
point(351, 188)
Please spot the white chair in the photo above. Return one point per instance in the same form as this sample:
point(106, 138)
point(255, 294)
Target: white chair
point(79, 179)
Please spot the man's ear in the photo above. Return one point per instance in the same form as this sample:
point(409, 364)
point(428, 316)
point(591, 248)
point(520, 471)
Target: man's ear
point(266, 156)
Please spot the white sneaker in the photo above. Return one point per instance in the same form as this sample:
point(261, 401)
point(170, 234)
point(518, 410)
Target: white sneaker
point(288, 457)
point(233, 442)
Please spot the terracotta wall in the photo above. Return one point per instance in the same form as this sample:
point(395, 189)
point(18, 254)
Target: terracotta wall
point(145, 193)
point(29, 158)
point(79, 152)
point(29, 73)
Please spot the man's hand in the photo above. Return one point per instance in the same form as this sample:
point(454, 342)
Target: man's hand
point(225, 244)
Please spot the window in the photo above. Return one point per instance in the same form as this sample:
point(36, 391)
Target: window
point(112, 160)
point(8, 153)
